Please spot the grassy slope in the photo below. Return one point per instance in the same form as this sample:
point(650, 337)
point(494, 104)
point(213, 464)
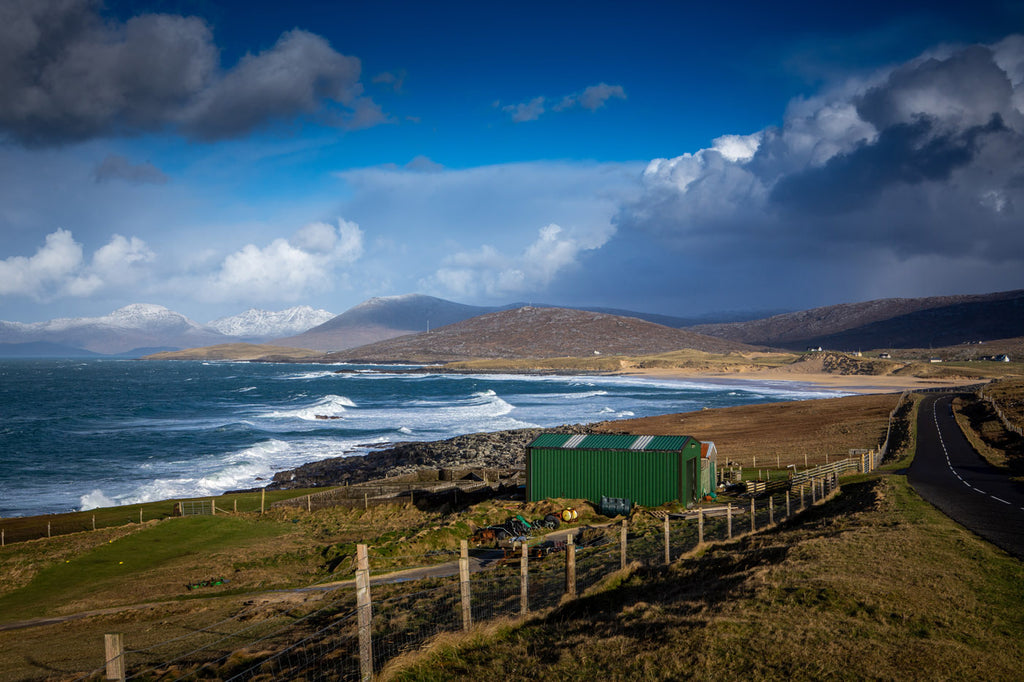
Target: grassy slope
point(875, 585)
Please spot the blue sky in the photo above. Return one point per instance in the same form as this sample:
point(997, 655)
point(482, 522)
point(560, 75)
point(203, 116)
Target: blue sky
point(669, 157)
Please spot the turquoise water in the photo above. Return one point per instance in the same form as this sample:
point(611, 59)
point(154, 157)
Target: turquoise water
point(77, 434)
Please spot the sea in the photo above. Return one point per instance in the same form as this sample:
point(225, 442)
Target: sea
point(79, 434)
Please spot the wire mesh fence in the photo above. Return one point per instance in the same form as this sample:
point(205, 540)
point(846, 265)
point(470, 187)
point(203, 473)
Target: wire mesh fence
point(328, 642)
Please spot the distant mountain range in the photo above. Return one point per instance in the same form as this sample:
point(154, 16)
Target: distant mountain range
point(133, 327)
point(141, 329)
point(263, 325)
point(388, 317)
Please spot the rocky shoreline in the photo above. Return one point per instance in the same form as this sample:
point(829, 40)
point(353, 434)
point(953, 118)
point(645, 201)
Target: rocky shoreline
point(498, 449)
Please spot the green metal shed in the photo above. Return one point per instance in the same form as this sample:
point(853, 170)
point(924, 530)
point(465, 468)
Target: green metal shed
point(649, 470)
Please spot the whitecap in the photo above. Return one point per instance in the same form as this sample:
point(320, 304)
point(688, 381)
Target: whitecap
point(328, 407)
point(94, 500)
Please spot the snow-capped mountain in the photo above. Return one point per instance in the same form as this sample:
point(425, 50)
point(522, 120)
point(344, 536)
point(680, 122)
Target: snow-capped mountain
point(383, 317)
point(264, 324)
point(140, 325)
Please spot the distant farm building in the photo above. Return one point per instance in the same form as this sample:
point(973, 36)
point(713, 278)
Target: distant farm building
point(649, 470)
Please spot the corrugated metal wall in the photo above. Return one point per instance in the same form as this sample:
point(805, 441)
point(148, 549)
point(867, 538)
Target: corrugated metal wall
point(648, 478)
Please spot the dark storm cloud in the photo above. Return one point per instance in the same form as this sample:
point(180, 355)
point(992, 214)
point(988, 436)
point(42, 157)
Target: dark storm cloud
point(68, 75)
point(904, 153)
point(923, 163)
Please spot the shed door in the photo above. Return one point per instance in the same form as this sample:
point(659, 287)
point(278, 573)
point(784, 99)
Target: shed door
point(692, 478)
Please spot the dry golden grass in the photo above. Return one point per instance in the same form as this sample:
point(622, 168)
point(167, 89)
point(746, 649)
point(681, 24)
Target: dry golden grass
point(236, 351)
point(1008, 394)
point(783, 431)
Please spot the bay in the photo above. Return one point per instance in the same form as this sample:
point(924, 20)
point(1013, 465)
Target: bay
point(78, 434)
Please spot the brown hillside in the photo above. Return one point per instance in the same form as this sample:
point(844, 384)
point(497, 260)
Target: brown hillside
point(538, 333)
point(885, 323)
point(784, 430)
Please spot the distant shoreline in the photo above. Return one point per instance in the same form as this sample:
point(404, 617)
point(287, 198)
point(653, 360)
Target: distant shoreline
point(853, 383)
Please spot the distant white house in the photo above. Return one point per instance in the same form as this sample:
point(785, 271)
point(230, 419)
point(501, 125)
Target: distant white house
point(885, 356)
point(934, 359)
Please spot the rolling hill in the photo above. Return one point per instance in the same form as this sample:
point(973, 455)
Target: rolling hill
point(885, 323)
point(530, 332)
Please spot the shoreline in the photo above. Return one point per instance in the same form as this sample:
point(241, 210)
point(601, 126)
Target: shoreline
point(860, 384)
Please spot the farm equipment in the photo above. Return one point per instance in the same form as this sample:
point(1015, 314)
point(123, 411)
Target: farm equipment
point(516, 529)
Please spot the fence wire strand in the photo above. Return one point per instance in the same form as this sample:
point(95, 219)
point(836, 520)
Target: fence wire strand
point(324, 644)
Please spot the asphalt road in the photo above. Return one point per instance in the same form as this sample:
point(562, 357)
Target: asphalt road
point(948, 473)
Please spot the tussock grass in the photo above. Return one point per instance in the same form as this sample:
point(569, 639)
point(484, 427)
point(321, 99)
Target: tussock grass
point(876, 584)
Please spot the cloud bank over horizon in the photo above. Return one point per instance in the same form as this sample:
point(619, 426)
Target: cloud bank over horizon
point(914, 174)
point(143, 158)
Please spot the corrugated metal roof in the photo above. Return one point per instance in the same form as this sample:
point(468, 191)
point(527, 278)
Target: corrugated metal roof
point(574, 441)
point(668, 442)
point(611, 442)
point(641, 442)
point(550, 440)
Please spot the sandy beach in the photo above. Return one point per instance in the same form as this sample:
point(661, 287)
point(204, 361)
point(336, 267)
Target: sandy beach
point(853, 383)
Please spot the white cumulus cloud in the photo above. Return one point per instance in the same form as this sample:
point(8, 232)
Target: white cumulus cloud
point(59, 268)
point(486, 271)
point(287, 269)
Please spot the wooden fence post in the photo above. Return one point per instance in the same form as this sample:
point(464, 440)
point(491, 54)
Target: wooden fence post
point(48, 529)
point(570, 566)
point(788, 512)
point(113, 646)
point(802, 504)
point(364, 613)
point(3, 539)
point(236, 506)
point(771, 510)
point(263, 499)
point(94, 522)
point(622, 545)
point(467, 611)
point(700, 525)
point(728, 516)
point(140, 516)
point(524, 572)
point(213, 506)
point(814, 490)
point(753, 521)
point(668, 551)
point(309, 504)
